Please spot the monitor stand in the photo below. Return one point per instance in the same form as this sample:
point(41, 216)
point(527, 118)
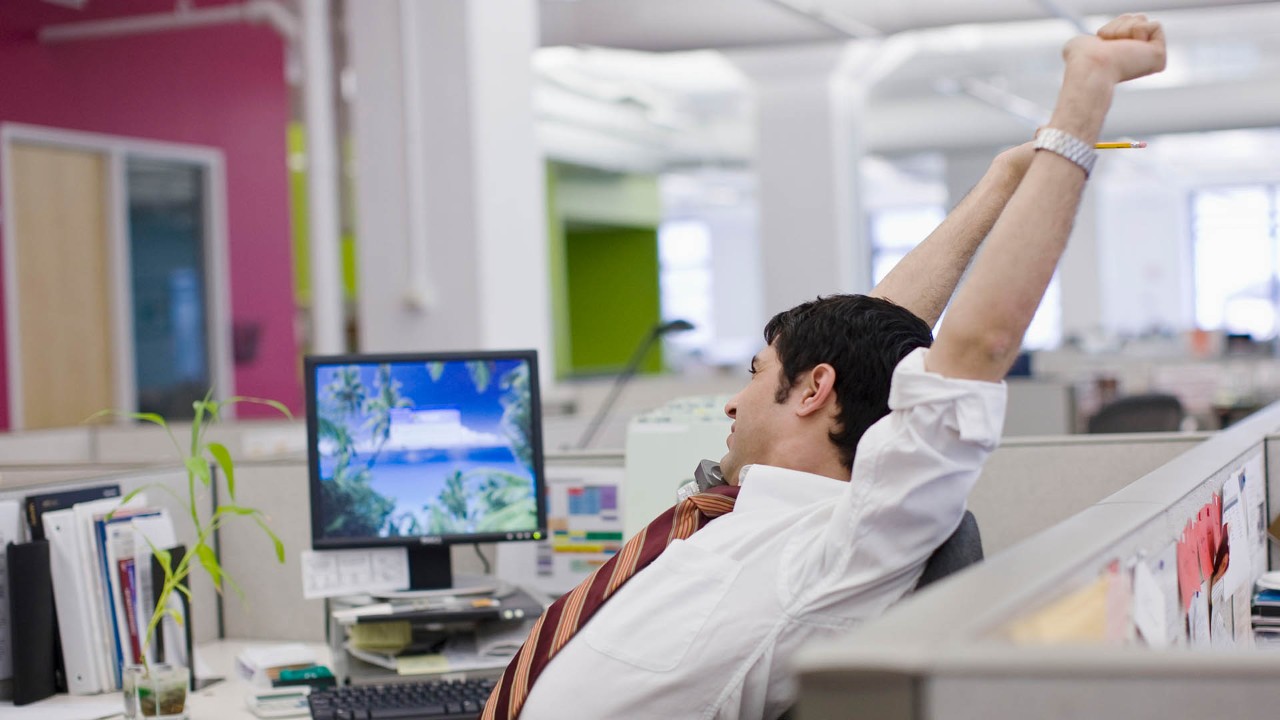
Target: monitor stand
point(431, 575)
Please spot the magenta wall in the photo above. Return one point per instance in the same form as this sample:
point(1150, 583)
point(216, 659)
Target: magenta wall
point(220, 87)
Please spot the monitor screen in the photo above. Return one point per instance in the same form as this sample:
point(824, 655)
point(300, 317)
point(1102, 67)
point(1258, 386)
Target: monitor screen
point(424, 449)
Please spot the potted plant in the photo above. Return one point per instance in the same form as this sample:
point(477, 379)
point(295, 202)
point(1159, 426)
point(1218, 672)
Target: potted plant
point(159, 691)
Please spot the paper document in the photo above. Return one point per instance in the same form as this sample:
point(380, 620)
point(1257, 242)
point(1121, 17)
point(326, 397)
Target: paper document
point(1164, 570)
point(63, 707)
point(330, 573)
point(1239, 575)
point(1254, 495)
point(1149, 607)
point(10, 532)
point(1079, 617)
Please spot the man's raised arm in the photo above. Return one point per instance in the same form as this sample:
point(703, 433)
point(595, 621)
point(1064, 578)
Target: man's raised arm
point(984, 329)
point(925, 279)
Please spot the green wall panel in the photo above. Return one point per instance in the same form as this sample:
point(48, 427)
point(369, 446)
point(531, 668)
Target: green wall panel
point(613, 296)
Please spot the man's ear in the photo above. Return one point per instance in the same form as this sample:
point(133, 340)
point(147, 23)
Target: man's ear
point(818, 388)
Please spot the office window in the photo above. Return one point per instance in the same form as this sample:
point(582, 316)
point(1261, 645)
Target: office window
point(684, 277)
point(895, 231)
point(1236, 255)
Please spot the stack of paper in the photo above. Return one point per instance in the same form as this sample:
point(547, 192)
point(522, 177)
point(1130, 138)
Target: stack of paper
point(1266, 610)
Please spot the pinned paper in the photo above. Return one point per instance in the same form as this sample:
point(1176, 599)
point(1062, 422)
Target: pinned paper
point(1164, 568)
point(1149, 607)
point(329, 573)
point(1188, 567)
point(1079, 617)
point(1119, 628)
point(1253, 494)
point(1239, 571)
point(1198, 617)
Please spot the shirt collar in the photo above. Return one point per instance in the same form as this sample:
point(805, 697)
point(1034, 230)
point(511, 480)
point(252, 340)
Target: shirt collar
point(782, 489)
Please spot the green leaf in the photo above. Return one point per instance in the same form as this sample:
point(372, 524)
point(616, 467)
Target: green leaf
point(223, 457)
point(234, 586)
point(210, 563)
point(274, 539)
point(234, 509)
point(276, 405)
point(173, 613)
point(148, 417)
point(199, 467)
point(125, 500)
point(163, 556)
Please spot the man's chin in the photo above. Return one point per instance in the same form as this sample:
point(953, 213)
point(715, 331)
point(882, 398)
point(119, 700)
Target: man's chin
point(729, 470)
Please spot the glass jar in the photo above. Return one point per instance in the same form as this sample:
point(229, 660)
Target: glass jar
point(155, 693)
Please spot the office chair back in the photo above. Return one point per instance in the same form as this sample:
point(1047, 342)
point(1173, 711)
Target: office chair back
point(1153, 412)
point(961, 550)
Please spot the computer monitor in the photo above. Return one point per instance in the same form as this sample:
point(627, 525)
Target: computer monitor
point(424, 450)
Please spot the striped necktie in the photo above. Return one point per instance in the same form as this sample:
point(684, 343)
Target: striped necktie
point(567, 615)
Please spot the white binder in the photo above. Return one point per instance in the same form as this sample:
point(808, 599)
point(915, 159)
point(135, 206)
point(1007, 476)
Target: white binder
point(93, 572)
point(71, 598)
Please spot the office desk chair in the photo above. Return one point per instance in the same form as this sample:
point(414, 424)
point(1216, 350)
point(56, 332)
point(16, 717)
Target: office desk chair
point(1155, 412)
point(961, 550)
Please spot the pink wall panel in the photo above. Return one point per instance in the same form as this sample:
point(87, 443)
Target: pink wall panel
point(220, 87)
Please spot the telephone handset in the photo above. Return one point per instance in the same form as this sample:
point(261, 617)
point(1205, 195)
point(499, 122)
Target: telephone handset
point(706, 476)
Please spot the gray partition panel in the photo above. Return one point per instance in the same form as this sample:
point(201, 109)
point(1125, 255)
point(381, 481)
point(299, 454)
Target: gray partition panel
point(941, 654)
point(1029, 484)
point(272, 606)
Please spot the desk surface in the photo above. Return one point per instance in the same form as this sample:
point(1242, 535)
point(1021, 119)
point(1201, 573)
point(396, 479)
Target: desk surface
point(223, 701)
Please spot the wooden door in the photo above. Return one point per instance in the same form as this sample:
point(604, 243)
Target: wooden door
point(62, 258)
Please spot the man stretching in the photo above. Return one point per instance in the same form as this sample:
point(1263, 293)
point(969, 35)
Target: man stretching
point(854, 446)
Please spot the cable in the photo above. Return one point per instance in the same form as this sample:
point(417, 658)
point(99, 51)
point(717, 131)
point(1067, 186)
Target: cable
point(483, 559)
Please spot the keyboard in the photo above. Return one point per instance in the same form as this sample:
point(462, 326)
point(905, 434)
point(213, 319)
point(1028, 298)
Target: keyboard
point(435, 699)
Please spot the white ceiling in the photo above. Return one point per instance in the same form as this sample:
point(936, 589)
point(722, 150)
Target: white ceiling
point(668, 25)
point(694, 107)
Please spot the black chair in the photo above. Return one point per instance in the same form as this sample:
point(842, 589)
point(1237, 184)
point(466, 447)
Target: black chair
point(1154, 412)
point(961, 550)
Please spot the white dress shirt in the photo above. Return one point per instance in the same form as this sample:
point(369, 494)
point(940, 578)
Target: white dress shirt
point(709, 628)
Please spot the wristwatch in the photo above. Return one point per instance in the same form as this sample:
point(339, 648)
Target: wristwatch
point(1068, 146)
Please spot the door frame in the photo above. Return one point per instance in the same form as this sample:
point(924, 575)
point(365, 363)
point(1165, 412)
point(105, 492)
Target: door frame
point(117, 150)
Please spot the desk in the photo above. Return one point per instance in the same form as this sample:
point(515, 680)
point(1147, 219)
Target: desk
point(223, 701)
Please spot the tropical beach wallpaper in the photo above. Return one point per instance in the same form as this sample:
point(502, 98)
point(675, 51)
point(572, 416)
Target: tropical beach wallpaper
point(437, 448)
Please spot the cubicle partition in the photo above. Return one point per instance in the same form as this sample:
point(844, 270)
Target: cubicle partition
point(950, 653)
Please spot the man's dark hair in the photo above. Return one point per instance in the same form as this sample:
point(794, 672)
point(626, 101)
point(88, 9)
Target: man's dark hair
point(863, 338)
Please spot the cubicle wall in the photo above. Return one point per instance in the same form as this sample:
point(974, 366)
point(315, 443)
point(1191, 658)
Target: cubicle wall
point(946, 653)
point(110, 446)
point(1029, 484)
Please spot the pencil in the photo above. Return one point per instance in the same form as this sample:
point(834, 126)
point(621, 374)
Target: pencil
point(1119, 145)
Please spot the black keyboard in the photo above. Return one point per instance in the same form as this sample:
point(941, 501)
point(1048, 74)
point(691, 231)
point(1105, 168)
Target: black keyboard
point(436, 699)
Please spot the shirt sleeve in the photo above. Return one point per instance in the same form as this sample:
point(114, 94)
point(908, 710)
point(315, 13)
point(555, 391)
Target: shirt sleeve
point(912, 474)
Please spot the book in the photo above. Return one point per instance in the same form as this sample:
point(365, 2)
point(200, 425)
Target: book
point(115, 532)
point(35, 506)
point(129, 595)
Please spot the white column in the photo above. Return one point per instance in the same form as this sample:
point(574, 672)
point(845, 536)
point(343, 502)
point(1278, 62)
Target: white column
point(451, 242)
point(807, 153)
point(322, 181)
point(1080, 274)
